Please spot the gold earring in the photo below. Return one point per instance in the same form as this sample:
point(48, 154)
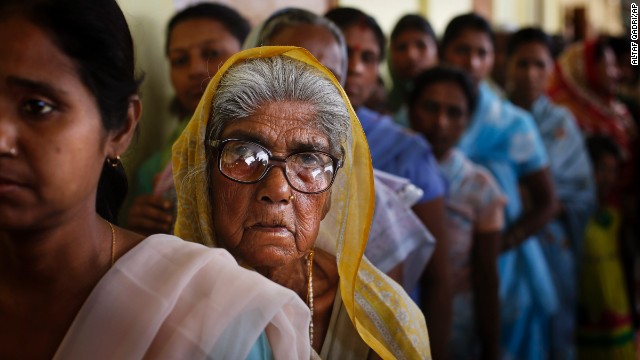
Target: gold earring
point(114, 162)
point(292, 197)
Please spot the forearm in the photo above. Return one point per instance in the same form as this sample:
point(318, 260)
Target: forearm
point(529, 224)
point(436, 304)
point(436, 281)
point(485, 283)
point(487, 312)
point(544, 206)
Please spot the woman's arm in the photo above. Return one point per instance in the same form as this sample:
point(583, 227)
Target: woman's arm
point(436, 281)
point(484, 277)
point(543, 207)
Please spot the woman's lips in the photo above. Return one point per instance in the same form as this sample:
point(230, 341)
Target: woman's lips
point(8, 185)
point(272, 228)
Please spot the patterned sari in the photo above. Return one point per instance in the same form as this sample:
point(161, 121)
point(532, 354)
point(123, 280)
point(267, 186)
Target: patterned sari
point(382, 313)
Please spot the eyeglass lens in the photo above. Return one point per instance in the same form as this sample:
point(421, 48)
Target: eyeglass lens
point(247, 162)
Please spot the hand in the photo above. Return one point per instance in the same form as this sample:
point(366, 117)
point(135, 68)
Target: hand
point(151, 214)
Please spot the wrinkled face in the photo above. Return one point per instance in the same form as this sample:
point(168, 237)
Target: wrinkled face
point(197, 48)
point(607, 73)
point(413, 51)
point(471, 51)
point(259, 223)
point(529, 68)
point(318, 40)
point(364, 56)
point(52, 141)
point(440, 114)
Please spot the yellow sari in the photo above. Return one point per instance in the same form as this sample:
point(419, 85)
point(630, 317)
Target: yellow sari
point(382, 313)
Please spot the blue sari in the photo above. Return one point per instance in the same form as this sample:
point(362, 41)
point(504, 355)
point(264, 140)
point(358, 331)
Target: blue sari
point(504, 139)
point(562, 238)
point(402, 152)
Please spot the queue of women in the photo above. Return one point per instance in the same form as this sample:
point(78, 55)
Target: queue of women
point(291, 214)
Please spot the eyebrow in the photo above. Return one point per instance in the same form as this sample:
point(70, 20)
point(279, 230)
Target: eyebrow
point(36, 86)
point(297, 145)
point(200, 44)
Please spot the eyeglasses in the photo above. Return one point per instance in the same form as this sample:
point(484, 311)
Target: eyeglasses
point(309, 172)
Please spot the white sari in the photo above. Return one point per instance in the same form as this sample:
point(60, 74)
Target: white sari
point(171, 299)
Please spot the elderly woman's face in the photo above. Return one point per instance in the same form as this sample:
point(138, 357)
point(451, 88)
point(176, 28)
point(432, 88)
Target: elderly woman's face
point(260, 223)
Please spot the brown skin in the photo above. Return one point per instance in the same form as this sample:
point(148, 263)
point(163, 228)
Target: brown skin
point(259, 223)
point(607, 74)
point(529, 68)
point(412, 52)
point(362, 74)
point(472, 51)
point(441, 115)
point(544, 206)
point(436, 278)
point(318, 40)
point(362, 69)
point(54, 248)
point(484, 277)
point(197, 48)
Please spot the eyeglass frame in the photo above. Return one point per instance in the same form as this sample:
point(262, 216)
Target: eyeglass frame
point(219, 146)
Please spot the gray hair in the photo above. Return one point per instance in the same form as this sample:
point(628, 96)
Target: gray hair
point(290, 17)
point(248, 85)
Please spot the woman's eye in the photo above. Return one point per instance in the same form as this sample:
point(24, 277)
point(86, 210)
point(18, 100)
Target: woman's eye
point(37, 107)
point(310, 159)
point(210, 54)
point(178, 61)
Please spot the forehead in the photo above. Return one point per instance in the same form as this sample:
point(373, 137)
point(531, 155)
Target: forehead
point(193, 32)
point(445, 92)
point(29, 53)
point(473, 38)
point(361, 37)
point(413, 34)
point(281, 126)
point(532, 49)
point(317, 39)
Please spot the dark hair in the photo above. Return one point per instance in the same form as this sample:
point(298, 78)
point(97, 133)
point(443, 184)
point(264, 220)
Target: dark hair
point(527, 36)
point(460, 23)
point(345, 17)
point(444, 74)
point(413, 22)
point(599, 145)
point(235, 24)
point(95, 36)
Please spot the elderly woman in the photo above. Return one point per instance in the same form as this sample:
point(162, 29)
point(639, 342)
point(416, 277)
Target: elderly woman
point(273, 153)
point(399, 244)
point(74, 285)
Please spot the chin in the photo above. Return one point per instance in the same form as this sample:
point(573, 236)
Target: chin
point(268, 257)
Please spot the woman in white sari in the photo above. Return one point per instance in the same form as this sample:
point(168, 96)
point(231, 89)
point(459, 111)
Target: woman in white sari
point(72, 284)
point(279, 107)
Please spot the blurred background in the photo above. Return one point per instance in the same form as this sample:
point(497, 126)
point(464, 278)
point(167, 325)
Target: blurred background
point(567, 20)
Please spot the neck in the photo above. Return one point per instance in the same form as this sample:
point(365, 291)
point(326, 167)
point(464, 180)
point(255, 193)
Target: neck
point(51, 257)
point(523, 101)
point(292, 276)
point(442, 156)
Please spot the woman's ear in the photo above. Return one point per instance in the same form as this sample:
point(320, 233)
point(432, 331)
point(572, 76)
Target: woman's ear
point(119, 141)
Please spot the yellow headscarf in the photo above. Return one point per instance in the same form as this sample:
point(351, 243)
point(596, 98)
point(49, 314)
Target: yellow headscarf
point(384, 316)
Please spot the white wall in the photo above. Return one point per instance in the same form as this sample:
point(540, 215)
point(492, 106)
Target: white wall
point(147, 21)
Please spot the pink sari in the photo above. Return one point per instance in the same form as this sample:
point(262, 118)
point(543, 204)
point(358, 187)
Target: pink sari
point(172, 299)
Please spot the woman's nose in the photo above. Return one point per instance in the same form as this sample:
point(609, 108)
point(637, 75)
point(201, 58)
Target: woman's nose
point(198, 68)
point(8, 135)
point(274, 187)
point(355, 65)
